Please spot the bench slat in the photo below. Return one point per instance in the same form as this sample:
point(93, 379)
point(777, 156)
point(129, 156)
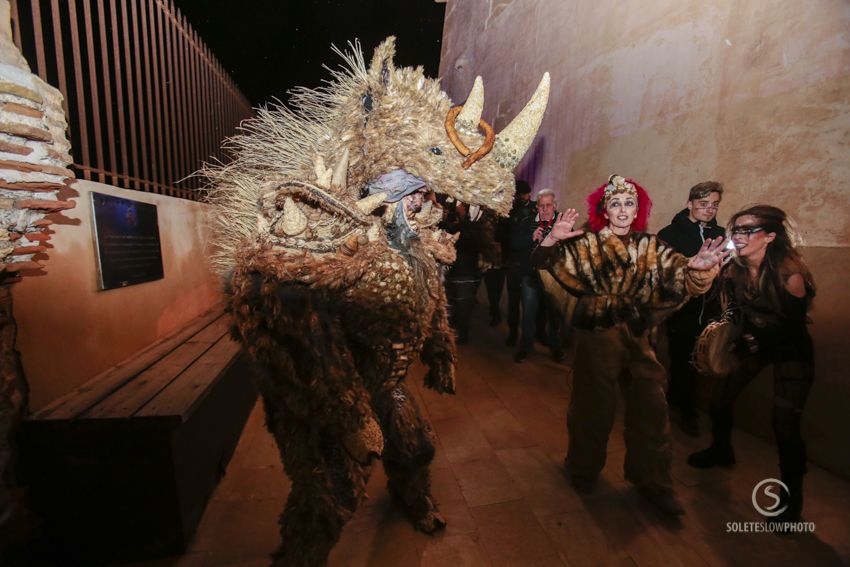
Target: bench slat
point(181, 396)
point(125, 402)
point(101, 386)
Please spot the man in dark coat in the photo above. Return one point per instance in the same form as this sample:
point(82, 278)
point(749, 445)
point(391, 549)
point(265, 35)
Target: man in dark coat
point(528, 228)
point(690, 228)
point(464, 276)
point(519, 245)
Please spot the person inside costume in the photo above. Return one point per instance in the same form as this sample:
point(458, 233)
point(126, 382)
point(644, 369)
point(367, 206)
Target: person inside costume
point(690, 228)
point(626, 282)
point(327, 238)
point(768, 290)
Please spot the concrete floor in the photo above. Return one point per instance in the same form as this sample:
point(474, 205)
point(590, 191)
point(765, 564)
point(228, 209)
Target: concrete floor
point(498, 479)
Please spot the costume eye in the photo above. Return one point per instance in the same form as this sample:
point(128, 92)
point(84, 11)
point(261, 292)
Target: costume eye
point(436, 151)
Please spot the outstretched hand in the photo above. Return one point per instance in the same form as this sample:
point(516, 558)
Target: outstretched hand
point(711, 254)
point(563, 228)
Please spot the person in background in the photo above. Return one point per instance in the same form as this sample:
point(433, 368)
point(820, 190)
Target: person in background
point(768, 289)
point(494, 249)
point(525, 237)
point(519, 230)
point(690, 228)
point(464, 276)
point(626, 282)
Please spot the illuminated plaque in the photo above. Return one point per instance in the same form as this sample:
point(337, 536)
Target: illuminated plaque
point(126, 237)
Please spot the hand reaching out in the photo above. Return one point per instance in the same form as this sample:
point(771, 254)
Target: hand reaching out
point(711, 254)
point(563, 228)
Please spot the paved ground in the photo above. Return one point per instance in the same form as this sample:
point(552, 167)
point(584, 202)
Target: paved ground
point(499, 481)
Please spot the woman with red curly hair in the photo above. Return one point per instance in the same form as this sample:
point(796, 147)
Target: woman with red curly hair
point(625, 282)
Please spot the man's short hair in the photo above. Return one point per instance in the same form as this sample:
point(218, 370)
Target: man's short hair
point(704, 189)
point(522, 187)
point(544, 192)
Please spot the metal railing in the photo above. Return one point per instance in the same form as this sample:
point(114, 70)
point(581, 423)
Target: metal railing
point(147, 102)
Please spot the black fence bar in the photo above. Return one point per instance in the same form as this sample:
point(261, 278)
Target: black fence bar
point(146, 101)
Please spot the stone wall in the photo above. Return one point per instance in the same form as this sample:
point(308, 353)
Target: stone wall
point(753, 94)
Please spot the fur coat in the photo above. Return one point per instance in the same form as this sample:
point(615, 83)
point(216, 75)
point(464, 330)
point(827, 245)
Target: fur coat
point(636, 281)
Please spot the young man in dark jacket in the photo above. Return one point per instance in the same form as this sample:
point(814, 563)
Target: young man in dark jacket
point(690, 228)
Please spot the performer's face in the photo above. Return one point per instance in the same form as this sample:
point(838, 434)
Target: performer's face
point(413, 202)
point(704, 209)
point(750, 238)
point(620, 212)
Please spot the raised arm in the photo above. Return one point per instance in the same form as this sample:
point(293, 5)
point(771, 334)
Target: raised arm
point(703, 267)
point(562, 229)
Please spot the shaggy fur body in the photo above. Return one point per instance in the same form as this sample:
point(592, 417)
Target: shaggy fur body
point(334, 293)
point(333, 363)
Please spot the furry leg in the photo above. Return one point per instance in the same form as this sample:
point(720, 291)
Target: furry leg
point(408, 452)
point(327, 487)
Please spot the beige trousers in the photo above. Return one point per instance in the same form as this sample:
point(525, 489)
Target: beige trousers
point(605, 360)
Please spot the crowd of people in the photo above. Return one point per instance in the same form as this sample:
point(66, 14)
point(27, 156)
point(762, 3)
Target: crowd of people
point(610, 285)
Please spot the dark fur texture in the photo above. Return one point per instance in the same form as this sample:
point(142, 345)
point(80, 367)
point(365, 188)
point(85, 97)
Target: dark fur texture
point(333, 361)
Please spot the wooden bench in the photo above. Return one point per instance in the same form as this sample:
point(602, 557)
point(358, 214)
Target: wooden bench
point(122, 467)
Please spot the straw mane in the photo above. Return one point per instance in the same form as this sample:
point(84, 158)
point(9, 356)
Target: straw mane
point(280, 143)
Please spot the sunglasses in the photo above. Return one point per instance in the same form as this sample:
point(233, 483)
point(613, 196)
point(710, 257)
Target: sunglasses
point(746, 230)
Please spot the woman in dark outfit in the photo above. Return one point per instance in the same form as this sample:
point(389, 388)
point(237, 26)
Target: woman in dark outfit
point(770, 289)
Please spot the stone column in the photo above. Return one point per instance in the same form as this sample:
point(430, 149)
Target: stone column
point(34, 155)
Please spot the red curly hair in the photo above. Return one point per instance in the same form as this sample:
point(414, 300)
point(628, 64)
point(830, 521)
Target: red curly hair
point(596, 208)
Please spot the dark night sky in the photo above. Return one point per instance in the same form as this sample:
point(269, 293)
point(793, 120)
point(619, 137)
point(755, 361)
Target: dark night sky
point(270, 46)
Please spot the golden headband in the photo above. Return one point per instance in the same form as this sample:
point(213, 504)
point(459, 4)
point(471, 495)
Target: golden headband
point(616, 185)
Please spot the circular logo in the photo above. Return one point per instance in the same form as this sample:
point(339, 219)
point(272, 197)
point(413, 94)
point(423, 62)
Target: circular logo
point(770, 487)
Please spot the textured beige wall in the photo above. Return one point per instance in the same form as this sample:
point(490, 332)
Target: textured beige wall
point(755, 94)
point(69, 330)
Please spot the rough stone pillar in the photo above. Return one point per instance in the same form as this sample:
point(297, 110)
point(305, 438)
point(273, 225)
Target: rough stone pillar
point(34, 155)
point(13, 402)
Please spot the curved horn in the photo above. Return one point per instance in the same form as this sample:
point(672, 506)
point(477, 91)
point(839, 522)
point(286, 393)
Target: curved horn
point(472, 108)
point(516, 138)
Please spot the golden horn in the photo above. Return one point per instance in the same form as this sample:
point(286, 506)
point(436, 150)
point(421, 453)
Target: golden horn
point(516, 138)
point(472, 108)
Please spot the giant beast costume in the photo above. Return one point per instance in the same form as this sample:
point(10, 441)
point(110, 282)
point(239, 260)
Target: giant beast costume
point(335, 279)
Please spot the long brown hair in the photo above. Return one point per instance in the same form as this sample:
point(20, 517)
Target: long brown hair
point(781, 258)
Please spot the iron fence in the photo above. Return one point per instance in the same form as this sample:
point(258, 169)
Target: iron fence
point(146, 100)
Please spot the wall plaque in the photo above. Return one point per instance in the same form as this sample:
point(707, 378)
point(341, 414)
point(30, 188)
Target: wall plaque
point(126, 237)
